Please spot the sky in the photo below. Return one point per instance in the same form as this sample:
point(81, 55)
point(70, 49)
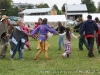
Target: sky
point(59, 3)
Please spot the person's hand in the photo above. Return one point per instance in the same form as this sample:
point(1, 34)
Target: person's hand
point(8, 35)
point(71, 28)
point(57, 33)
point(79, 36)
point(30, 29)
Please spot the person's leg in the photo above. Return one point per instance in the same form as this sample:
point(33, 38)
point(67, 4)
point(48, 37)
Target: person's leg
point(38, 45)
point(46, 54)
point(47, 45)
point(14, 52)
point(80, 44)
point(59, 43)
point(85, 43)
point(4, 49)
point(39, 52)
point(19, 50)
point(62, 40)
point(88, 40)
point(99, 41)
point(28, 46)
point(91, 44)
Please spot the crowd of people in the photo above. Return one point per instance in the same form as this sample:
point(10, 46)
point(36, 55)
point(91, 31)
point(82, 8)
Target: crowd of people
point(18, 36)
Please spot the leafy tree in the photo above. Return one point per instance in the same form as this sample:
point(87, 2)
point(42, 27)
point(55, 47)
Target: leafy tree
point(98, 8)
point(29, 7)
point(42, 5)
point(5, 4)
point(12, 11)
point(90, 5)
point(63, 8)
point(56, 8)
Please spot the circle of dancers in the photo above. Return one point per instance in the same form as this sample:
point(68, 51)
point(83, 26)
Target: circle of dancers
point(18, 37)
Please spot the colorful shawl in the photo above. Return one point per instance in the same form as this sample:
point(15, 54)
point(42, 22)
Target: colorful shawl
point(17, 36)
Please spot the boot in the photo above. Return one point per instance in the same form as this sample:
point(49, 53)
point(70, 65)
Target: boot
point(37, 58)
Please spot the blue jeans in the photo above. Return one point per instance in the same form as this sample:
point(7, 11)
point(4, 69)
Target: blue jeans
point(60, 40)
point(19, 51)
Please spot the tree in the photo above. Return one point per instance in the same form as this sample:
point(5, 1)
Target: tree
point(42, 5)
point(5, 4)
point(56, 8)
point(63, 8)
point(29, 7)
point(90, 5)
point(12, 11)
point(98, 8)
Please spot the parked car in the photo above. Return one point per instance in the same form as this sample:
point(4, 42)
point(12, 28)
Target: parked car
point(70, 22)
point(13, 18)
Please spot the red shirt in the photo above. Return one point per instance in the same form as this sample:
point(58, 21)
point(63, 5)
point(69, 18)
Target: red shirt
point(36, 26)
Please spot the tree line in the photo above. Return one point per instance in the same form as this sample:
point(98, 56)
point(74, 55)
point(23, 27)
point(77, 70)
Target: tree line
point(12, 10)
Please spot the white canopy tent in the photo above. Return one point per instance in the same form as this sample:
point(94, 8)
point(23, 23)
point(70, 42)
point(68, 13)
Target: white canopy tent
point(51, 18)
point(93, 15)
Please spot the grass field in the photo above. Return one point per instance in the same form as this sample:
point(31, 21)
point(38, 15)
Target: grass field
point(77, 64)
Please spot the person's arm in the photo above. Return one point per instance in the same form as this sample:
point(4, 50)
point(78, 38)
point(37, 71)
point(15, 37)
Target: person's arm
point(56, 29)
point(52, 30)
point(78, 26)
point(35, 31)
point(82, 29)
point(73, 35)
point(62, 34)
point(96, 27)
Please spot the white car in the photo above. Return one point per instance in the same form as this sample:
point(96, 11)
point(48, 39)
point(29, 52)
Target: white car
point(70, 22)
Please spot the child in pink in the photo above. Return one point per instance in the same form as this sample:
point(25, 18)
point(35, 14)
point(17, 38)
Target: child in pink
point(25, 29)
point(67, 42)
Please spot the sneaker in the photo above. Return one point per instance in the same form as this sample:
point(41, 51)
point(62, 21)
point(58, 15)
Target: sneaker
point(48, 58)
point(11, 59)
point(21, 59)
point(63, 56)
point(67, 55)
point(37, 58)
point(29, 49)
point(59, 48)
point(91, 55)
point(2, 56)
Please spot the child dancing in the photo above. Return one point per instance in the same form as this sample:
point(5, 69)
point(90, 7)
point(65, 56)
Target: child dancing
point(67, 42)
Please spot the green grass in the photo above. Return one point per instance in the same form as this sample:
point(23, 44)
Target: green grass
point(77, 64)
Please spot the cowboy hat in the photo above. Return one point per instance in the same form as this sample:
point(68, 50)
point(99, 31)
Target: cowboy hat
point(4, 17)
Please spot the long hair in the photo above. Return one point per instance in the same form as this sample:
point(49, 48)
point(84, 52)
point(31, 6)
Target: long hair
point(59, 25)
point(96, 19)
point(44, 21)
point(68, 33)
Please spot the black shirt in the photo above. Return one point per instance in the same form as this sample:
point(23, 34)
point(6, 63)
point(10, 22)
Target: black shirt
point(61, 29)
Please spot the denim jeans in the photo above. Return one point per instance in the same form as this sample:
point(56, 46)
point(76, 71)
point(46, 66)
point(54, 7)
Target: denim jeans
point(19, 51)
point(60, 40)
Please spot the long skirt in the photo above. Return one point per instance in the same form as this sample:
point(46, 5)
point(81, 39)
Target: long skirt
point(67, 46)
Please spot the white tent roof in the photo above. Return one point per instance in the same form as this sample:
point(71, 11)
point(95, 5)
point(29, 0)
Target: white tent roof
point(76, 7)
point(51, 18)
point(94, 15)
point(38, 10)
